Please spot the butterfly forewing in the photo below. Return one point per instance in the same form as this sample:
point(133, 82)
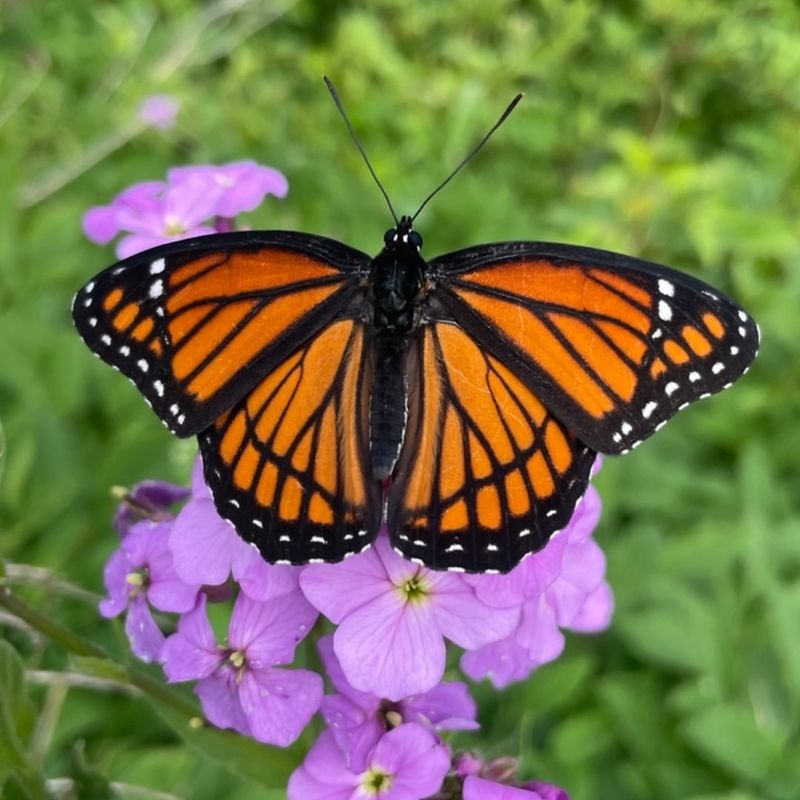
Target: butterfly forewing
point(612, 345)
point(486, 473)
point(289, 465)
point(196, 324)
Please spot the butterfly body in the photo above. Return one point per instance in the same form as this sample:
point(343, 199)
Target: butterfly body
point(396, 279)
point(482, 383)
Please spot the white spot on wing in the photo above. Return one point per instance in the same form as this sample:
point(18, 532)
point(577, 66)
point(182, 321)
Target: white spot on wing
point(671, 388)
point(159, 387)
point(648, 410)
point(664, 311)
point(157, 266)
point(718, 367)
point(156, 289)
point(105, 339)
point(626, 428)
point(665, 287)
point(694, 377)
point(143, 365)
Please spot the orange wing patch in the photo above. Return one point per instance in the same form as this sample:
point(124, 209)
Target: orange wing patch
point(484, 465)
point(615, 351)
point(295, 447)
point(194, 329)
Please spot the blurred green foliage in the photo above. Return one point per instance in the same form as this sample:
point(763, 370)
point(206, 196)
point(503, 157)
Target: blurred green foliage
point(666, 129)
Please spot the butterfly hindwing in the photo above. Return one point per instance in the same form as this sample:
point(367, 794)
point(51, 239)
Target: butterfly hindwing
point(288, 465)
point(486, 473)
point(196, 324)
point(612, 345)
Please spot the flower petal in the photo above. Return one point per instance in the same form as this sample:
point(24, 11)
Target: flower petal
point(262, 581)
point(596, 611)
point(391, 647)
point(503, 663)
point(191, 201)
point(463, 618)
point(219, 697)
point(279, 703)
point(269, 632)
point(137, 243)
point(448, 706)
point(115, 573)
point(415, 757)
point(323, 775)
point(203, 544)
point(365, 700)
point(356, 730)
point(192, 652)
point(100, 224)
point(145, 636)
point(539, 633)
point(339, 589)
point(480, 789)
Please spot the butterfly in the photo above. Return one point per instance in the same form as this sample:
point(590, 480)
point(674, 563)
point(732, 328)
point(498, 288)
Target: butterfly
point(460, 401)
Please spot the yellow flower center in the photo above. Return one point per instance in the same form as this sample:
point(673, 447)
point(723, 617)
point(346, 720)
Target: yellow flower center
point(172, 226)
point(138, 580)
point(375, 781)
point(414, 589)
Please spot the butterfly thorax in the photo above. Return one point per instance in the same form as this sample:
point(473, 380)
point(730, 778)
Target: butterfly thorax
point(396, 279)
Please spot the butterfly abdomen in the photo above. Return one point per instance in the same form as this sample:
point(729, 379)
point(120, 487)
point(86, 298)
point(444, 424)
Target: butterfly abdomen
point(388, 405)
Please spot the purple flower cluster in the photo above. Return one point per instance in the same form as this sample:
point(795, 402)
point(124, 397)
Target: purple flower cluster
point(385, 659)
point(381, 624)
point(193, 201)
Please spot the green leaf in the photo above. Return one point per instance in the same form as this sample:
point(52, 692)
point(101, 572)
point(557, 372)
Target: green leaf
point(269, 766)
point(16, 712)
point(730, 736)
point(103, 668)
point(90, 784)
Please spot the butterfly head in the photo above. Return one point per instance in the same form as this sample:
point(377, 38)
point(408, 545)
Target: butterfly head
point(403, 236)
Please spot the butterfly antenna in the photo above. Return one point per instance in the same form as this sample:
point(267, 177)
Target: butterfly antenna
point(340, 106)
point(511, 106)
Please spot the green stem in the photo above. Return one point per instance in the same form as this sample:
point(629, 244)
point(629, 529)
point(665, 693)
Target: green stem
point(77, 645)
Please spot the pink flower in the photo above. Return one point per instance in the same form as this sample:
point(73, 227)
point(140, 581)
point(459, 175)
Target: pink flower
point(393, 617)
point(241, 686)
point(562, 586)
point(159, 110)
point(195, 201)
point(243, 185)
point(476, 788)
point(358, 720)
point(141, 570)
point(408, 763)
point(148, 500)
point(206, 549)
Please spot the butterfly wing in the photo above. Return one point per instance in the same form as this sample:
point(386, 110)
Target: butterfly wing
point(530, 358)
point(486, 473)
point(196, 324)
point(288, 465)
point(612, 345)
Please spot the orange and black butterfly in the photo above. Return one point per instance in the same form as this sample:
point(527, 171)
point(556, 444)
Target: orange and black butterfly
point(462, 401)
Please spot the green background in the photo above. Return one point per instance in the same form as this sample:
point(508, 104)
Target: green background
point(666, 129)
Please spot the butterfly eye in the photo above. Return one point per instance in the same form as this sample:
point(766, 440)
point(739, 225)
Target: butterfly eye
point(415, 240)
point(390, 236)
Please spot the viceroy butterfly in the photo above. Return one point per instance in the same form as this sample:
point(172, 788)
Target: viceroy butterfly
point(461, 400)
